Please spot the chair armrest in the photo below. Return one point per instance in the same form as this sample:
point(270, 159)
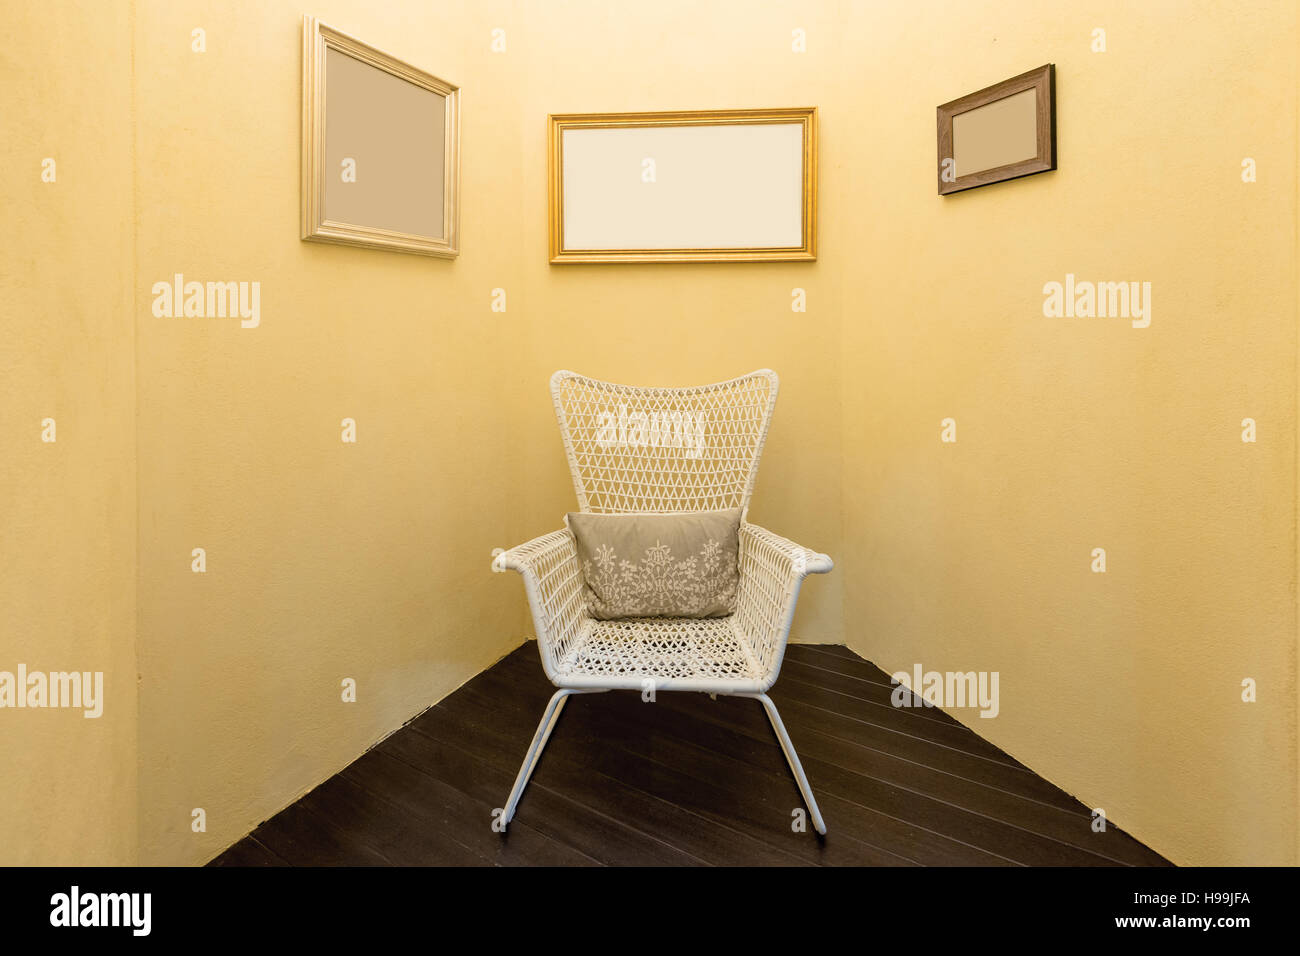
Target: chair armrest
point(554, 585)
point(771, 570)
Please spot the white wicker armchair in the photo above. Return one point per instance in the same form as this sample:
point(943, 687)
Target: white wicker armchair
point(696, 449)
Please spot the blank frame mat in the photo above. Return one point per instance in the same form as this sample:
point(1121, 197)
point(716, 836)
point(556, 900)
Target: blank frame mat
point(395, 131)
point(715, 187)
point(996, 134)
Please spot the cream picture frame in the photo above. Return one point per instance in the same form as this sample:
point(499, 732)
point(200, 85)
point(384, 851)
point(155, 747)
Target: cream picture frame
point(380, 148)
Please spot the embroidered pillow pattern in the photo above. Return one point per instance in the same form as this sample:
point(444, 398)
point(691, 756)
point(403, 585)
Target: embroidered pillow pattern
point(659, 565)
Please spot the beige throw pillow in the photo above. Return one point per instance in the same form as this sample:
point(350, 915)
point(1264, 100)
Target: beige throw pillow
point(650, 565)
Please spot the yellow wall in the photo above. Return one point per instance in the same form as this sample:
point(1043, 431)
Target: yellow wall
point(1123, 688)
point(67, 536)
point(327, 560)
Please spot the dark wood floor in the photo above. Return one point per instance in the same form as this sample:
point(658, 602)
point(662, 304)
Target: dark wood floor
point(687, 781)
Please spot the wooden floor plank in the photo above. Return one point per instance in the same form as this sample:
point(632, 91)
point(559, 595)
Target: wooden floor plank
point(448, 813)
point(401, 838)
point(988, 800)
point(576, 758)
point(301, 838)
point(652, 816)
point(560, 815)
point(762, 749)
point(836, 650)
point(687, 781)
point(755, 786)
point(881, 713)
point(840, 740)
point(248, 852)
point(910, 843)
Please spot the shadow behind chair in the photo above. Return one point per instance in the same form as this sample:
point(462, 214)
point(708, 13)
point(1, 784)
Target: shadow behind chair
point(663, 450)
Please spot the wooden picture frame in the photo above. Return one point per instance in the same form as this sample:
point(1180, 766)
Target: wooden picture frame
point(724, 186)
point(399, 129)
point(1001, 132)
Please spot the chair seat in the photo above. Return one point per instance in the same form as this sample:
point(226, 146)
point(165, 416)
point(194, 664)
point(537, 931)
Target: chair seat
point(677, 653)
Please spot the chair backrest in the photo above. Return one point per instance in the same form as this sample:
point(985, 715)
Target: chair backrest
point(662, 450)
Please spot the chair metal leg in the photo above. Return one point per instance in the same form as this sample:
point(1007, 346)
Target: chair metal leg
point(544, 728)
point(793, 759)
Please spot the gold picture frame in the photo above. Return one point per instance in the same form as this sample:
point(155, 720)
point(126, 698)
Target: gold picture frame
point(742, 163)
point(412, 204)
